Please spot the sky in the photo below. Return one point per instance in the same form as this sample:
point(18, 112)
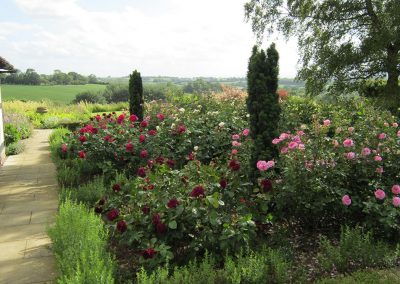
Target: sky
point(184, 38)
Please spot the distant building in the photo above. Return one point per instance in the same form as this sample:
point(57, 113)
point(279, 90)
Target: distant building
point(5, 67)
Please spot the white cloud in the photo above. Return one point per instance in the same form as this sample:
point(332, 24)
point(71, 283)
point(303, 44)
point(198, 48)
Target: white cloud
point(193, 38)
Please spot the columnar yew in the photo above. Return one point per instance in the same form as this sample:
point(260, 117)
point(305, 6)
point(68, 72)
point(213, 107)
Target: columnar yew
point(263, 104)
point(136, 95)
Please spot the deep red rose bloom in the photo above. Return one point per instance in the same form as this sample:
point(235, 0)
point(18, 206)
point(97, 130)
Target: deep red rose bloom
point(171, 163)
point(121, 118)
point(150, 187)
point(98, 117)
point(82, 130)
point(142, 138)
point(181, 129)
point(116, 187)
point(223, 183)
point(234, 165)
point(266, 185)
point(150, 163)
point(82, 154)
point(160, 160)
point(64, 148)
point(141, 172)
point(160, 116)
point(112, 214)
point(152, 132)
point(144, 153)
point(198, 191)
point(122, 226)
point(133, 118)
point(172, 203)
point(149, 253)
point(144, 124)
point(129, 147)
point(107, 138)
point(156, 218)
point(95, 130)
point(161, 228)
point(146, 209)
point(191, 156)
point(82, 138)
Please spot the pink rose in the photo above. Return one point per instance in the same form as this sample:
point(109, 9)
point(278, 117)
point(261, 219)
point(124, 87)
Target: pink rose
point(284, 136)
point(300, 132)
point(350, 155)
point(276, 141)
point(301, 146)
point(398, 133)
point(346, 200)
point(382, 136)
point(366, 151)
point(380, 194)
point(396, 189)
point(395, 124)
point(235, 137)
point(160, 116)
point(396, 201)
point(236, 144)
point(234, 151)
point(379, 170)
point(270, 164)
point(327, 122)
point(350, 129)
point(348, 143)
point(377, 158)
point(262, 165)
point(284, 150)
point(293, 145)
point(246, 132)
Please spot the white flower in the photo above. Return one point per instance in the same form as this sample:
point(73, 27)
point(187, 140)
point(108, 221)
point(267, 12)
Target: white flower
point(196, 148)
point(172, 125)
point(182, 109)
point(199, 106)
point(247, 115)
point(158, 128)
point(221, 124)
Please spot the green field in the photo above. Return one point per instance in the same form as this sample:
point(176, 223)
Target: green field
point(57, 93)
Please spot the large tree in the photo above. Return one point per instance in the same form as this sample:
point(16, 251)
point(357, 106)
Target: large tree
point(342, 43)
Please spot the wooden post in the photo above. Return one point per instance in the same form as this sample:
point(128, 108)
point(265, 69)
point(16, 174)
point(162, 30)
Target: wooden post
point(2, 145)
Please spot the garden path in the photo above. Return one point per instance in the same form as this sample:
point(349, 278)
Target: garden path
point(28, 203)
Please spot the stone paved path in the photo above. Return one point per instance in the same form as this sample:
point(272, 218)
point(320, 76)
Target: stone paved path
point(28, 203)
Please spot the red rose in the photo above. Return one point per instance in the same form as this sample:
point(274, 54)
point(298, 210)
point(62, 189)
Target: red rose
point(172, 203)
point(133, 118)
point(171, 163)
point(181, 129)
point(198, 191)
point(150, 187)
point(98, 117)
point(121, 118)
point(150, 163)
point(160, 116)
point(266, 185)
point(156, 218)
point(141, 172)
point(142, 138)
point(146, 209)
point(95, 130)
point(149, 253)
point(152, 132)
point(112, 214)
point(82, 154)
point(82, 138)
point(223, 183)
point(129, 147)
point(144, 124)
point(234, 165)
point(144, 153)
point(122, 226)
point(160, 160)
point(64, 148)
point(116, 187)
point(161, 228)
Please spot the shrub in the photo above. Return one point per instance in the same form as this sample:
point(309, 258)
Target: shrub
point(136, 103)
point(88, 193)
point(263, 105)
point(79, 244)
point(15, 148)
point(115, 93)
point(17, 126)
point(11, 134)
point(56, 139)
point(356, 249)
point(89, 97)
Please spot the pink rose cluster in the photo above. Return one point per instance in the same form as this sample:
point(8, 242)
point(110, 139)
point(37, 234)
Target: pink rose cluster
point(380, 194)
point(263, 165)
point(292, 141)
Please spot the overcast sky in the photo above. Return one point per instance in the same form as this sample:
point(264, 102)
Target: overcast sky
point(186, 38)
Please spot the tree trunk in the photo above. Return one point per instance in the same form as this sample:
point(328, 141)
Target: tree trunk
point(392, 89)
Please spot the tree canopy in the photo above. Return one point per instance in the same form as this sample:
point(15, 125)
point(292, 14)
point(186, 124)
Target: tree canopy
point(342, 43)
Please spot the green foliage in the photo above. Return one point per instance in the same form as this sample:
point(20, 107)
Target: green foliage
point(88, 193)
point(79, 244)
point(115, 93)
point(89, 97)
point(254, 267)
point(200, 86)
point(263, 104)
point(136, 103)
point(55, 141)
point(160, 91)
point(11, 134)
point(388, 276)
point(336, 49)
point(15, 148)
point(356, 249)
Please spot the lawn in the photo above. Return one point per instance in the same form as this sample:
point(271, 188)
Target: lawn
point(57, 93)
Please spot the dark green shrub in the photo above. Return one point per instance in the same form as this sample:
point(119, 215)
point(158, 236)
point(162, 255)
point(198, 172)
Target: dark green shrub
point(11, 134)
point(263, 105)
point(136, 103)
point(79, 244)
point(89, 97)
point(115, 93)
point(15, 148)
point(88, 193)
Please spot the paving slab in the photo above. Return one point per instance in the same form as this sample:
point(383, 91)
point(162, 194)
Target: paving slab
point(28, 205)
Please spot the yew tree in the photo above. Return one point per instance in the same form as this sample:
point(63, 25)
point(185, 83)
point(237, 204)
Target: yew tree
point(342, 43)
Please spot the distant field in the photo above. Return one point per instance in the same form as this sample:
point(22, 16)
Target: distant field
point(58, 93)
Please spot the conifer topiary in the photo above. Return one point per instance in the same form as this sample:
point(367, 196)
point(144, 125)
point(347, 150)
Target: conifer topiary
point(136, 103)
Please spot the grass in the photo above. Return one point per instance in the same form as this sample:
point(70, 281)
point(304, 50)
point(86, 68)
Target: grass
point(57, 93)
